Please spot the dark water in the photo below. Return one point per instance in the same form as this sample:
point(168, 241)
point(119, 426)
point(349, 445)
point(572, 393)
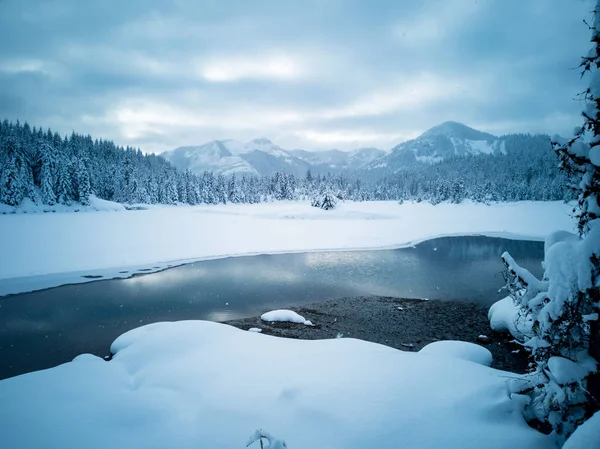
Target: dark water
point(45, 328)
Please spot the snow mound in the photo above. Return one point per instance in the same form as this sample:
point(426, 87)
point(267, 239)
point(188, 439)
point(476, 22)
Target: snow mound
point(100, 204)
point(197, 384)
point(459, 349)
point(557, 237)
point(283, 315)
point(257, 330)
point(506, 316)
point(587, 436)
point(566, 371)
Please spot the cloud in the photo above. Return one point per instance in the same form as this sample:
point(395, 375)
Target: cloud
point(17, 66)
point(239, 68)
point(308, 74)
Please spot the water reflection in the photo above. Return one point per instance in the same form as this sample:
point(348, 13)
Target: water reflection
point(43, 328)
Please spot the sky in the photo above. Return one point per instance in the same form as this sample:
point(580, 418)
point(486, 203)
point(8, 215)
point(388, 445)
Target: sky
point(311, 74)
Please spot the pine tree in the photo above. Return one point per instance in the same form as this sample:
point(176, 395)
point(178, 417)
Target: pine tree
point(11, 190)
point(63, 187)
point(47, 178)
point(16, 179)
point(565, 304)
point(82, 182)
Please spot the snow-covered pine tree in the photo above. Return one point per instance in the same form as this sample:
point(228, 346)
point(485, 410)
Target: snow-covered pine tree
point(325, 200)
point(565, 304)
point(233, 190)
point(191, 188)
point(81, 181)
point(182, 190)
point(170, 190)
point(63, 187)
point(11, 190)
point(46, 156)
point(221, 189)
point(16, 179)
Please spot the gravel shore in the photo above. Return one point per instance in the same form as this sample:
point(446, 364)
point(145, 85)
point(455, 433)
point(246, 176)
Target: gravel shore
point(406, 324)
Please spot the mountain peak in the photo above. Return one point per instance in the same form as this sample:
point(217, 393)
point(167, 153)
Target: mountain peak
point(458, 130)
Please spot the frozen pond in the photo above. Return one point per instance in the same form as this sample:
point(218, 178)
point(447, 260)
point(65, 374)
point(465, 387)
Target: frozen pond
point(48, 327)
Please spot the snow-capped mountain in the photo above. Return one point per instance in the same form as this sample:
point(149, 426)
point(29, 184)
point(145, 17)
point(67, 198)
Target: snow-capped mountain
point(212, 156)
point(335, 161)
point(262, 157)
point(438, 143)
point(257, 157)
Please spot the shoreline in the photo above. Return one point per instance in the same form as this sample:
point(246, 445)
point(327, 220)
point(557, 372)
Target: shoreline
point(32, 283)
point(402, 323)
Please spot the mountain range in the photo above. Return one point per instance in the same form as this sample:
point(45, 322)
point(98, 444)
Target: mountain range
point(263, 157)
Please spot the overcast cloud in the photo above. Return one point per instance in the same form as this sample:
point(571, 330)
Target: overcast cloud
point(307, 74)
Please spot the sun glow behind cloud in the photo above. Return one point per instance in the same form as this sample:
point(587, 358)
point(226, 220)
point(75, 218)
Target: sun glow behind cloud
point(239, 68)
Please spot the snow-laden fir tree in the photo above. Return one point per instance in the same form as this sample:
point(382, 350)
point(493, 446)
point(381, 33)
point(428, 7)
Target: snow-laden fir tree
point(81, 182)
point(63, 187)
point(46, 157)
point(564, 306)
point(325, 200)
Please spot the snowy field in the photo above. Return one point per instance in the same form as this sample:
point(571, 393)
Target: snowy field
point(196, 384)
point(48, 249)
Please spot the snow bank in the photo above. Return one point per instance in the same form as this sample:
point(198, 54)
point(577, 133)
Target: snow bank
point(459, 349)
point(63, 247)
point(104, 205)
point(195, 384)
point(505, 316)
point(29, 207)
point(283, 315)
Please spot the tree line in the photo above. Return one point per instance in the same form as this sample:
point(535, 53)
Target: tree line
point(50, 169)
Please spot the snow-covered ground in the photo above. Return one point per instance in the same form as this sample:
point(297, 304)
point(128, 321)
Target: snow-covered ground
point(42, 250)
point(196, 384)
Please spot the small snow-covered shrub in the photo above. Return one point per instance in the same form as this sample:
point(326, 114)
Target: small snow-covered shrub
point(325, 201)
point(259, 435)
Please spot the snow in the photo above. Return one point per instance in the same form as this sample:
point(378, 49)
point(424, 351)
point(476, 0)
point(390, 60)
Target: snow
point(595, 156)
point(29, 207)
point(459, 349)
point(587, 436)
point(257, 330)
point(568, 264)
point(63, 247)
point(274, 443)
point(429, 159)
point(505, 316)
point(196, 384)
point(503, 147)
point(480, 146)
point(559, 236)
point(283, 315)
point(565, 371)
